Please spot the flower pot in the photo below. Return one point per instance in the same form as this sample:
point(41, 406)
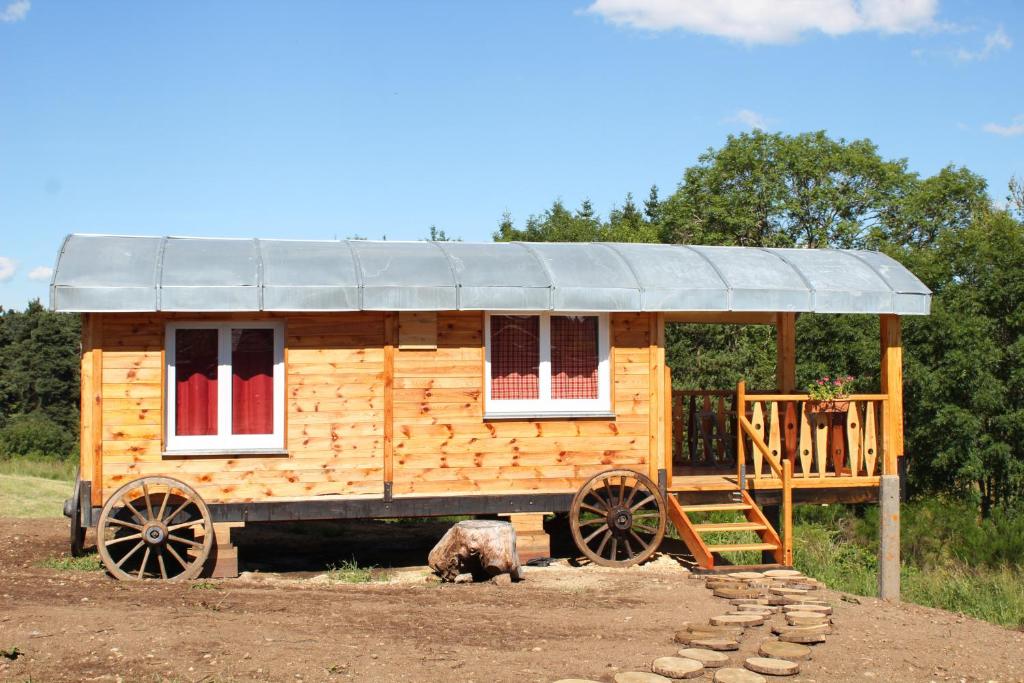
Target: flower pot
point(834, 406)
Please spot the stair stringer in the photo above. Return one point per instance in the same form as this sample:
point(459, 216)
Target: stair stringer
point(688, 534)
point(768, 534)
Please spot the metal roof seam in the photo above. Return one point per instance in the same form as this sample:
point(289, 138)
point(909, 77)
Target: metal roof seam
point(56, 267)
point(718, 272)
point(451, 269)
point(158, 275)
point(360, 280)
point(799, 273)
point(547, 271)
point(610, 246)
point(260, 283)
point(884, 279)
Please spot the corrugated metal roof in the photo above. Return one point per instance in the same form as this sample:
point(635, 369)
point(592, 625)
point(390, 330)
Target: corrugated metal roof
point(98, 273)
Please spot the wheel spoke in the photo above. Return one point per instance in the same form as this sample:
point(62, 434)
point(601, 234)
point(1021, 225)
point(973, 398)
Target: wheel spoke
point(179, 539)
point(121, 522)
point(178, 509)
point(591, 508)
point(603, 527)
point(163, 504)
point(145, 559)
point(184, 525)
point(175, 555)
point(163, 568)
point(135, 512)
point(643, 502)
point(129, 553)
point(592, 522)
point(646, 515)
point(605, 501)
point(604, 541)
point(646, 529)
point(629, 548)
point(119, 539)
point(632, 494)
point(643, 544)
point(615, 548)
point(622, 489)
point(149, 501)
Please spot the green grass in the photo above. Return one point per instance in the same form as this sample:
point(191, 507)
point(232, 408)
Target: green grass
point(65, 563)
point(43, 468)
point(349, 571)
point(25, 496)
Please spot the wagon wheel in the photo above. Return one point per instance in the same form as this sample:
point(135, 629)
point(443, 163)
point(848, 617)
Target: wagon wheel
point(618, 518)
point(73, 511)
point(154, 527)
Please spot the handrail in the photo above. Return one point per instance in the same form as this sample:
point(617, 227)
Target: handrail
point(760, 444)
point(753, 395)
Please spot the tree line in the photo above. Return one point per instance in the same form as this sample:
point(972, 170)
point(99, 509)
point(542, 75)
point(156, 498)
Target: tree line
point(964, 364)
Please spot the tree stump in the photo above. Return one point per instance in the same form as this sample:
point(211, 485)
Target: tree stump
point(483, 548)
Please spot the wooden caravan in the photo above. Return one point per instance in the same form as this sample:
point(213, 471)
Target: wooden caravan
point(228, 382)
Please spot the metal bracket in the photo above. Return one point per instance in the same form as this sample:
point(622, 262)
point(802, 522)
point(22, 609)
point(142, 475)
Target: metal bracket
point(387, 492)
point(743, 476)
point(663, 482)
point(85, 503)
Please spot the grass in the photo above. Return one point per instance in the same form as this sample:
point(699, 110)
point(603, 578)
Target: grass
point(349, 571)
point(26, 496)
point(48, 468)
point(66, 563)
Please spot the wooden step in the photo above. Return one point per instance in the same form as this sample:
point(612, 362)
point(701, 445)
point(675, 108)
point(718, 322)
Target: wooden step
point(740, 547)
point(716, 507)
point(729, 526)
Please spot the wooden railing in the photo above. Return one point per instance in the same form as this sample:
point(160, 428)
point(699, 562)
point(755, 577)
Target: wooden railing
point(704, 427)
point(816, 443)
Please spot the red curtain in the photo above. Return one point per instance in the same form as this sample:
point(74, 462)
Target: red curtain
point(195, 373)
point(252, 381)
point(574, 356)
point(515, 357)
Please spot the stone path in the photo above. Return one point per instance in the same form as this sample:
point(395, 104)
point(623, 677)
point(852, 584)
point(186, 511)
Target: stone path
point(785, 599)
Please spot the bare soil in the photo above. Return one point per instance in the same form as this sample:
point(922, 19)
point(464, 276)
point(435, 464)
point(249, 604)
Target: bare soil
point(288, 621)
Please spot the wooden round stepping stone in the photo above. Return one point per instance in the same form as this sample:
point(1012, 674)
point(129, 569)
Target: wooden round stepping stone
point(804, 607)
point(677, 667)
point(823, 629)
point(733, 675)
point(696, 638)
point(787, 591)
point(782, 650)
point(806, 618)
point(757, 609)
point(732, 593)
point(640, 677)
point(575, 680)
point(772, 666)
point(749, 601)
point(711, 628)
point(737, 620)
point(746, 576)
point(709, 658)
point(782, 573)
point(803, 637)
point(797, 585)
point(717, 643)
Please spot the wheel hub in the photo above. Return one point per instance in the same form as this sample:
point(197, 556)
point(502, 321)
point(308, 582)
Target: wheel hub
point(620, 519)
point(154, 533)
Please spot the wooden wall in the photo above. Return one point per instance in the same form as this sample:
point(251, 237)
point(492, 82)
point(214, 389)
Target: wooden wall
point(337, 437)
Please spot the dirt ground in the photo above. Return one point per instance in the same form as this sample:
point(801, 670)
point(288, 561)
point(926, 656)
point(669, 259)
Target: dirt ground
point(285, 620)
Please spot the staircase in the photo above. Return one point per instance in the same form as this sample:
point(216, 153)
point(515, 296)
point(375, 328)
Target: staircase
point(749, 518)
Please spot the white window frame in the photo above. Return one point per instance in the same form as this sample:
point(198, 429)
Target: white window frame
point(545, 405)
point(224, 440)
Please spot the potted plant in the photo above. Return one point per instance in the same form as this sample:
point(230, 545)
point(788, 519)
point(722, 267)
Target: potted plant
point(828, 394)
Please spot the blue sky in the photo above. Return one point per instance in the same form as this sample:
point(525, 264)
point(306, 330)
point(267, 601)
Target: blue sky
point(332, 119)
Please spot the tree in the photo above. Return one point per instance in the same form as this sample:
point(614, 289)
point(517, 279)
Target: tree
point(558, 224)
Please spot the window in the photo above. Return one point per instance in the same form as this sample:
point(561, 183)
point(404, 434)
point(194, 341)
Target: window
point(225, 386)
point(547, 363)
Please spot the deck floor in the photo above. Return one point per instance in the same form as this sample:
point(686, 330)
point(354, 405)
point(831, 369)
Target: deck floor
point(705, 479)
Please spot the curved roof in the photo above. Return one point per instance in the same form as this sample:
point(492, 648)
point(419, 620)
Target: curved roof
point(99, 273)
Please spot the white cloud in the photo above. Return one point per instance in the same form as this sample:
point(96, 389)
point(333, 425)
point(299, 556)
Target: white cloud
point(750, 119)
point(997, 40)
point(769, 21)
point(15, 11)
point(40, 273)
point(1015, 127)
point(8, 267)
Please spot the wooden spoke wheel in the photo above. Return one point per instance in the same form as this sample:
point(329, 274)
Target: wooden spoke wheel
point(618, 518)
point(73, 511)
point(154, 528)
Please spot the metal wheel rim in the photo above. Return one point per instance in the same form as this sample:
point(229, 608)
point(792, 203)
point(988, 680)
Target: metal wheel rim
point(165, 533)
point(77, 533)
point(618, 518)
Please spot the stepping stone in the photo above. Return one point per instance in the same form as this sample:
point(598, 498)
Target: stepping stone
point(804, 600)
point(772, 666)
point(796, 585)
point(803, 637)
point(757, 609)
point(806, 618)
point(804, 607)
point(710, 628)
point(782, 650)
point(746, 576)
point(719, 644)
point(640, 677)
point(732, 593)
point(677, 667)
point(782, 573)
point(695, 638)
point(732, 675)
point(778, 600)
point(709, 658)
point(737, 620)
point(823, 629)
point(575, 680)
point(749, 601)
point(787, 591)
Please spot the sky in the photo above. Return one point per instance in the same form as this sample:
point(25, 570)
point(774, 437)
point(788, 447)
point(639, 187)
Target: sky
point(322, 120)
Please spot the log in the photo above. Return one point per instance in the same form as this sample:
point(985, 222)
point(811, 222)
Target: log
point(483, 548)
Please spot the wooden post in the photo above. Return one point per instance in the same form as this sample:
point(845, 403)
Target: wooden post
point(85, 402)
point(892, 386)
point(656, 423)
point(785, 352)
point(669, 428)
point(787, 512)
point(741, 411)
point(390, 334)
point(91, 446)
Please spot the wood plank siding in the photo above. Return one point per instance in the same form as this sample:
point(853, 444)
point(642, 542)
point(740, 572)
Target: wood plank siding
point(351, 419)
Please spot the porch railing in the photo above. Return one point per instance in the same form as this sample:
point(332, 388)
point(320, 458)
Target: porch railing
point(704, 427)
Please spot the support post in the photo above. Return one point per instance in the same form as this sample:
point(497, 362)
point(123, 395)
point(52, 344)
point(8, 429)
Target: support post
point(889, 546)
point(390, 334)
point(657, 395)
point(772, 514)
point(892, 386)
point(787, 512)
point(785, 352)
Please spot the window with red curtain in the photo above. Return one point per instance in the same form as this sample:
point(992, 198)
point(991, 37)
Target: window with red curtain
point(574, 356)
point(252, 381)
point(195, 395)
point(515, 357)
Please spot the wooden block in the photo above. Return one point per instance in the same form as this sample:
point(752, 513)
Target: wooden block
point(532, 542)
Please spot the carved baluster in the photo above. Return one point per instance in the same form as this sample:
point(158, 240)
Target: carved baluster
point(691, 431)
point(774, 436)
point(820, 441)
point(837, 444)
point(723, 436)
point(757, 422)
point(854, 437)
point(870, 439)
point(806, 447)
point(705, 431)
point(789, 432)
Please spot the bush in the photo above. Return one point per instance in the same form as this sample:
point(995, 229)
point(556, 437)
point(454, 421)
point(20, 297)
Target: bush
point(36, 435)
